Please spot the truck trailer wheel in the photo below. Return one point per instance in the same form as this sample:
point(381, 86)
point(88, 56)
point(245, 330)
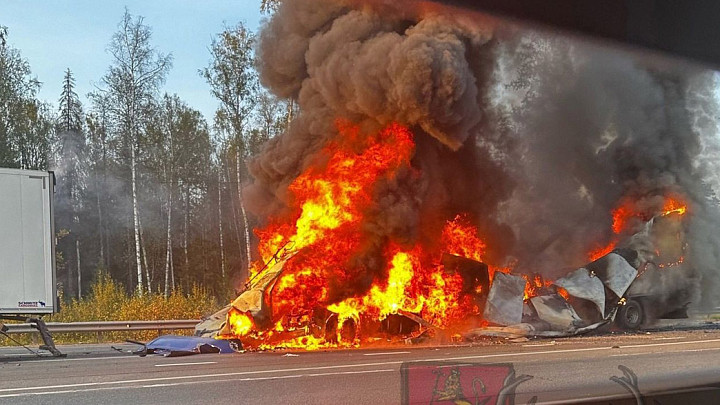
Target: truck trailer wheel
point(630, 316)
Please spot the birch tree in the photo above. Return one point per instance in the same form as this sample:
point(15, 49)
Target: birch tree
point(233, 81)
point(131, 83)
point(181, 145)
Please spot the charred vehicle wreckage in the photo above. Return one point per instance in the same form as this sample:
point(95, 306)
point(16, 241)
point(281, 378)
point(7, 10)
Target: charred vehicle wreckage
point(623, 286)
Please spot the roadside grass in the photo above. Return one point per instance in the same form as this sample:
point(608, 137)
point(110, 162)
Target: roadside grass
point(108, 301)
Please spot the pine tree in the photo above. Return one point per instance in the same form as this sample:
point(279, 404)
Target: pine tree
point(72, 173)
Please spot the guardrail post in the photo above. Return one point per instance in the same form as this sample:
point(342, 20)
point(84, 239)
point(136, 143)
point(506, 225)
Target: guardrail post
point(48, 343)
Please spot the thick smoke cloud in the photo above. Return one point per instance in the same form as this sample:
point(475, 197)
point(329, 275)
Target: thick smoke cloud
point(538, 138)
point(612, 125)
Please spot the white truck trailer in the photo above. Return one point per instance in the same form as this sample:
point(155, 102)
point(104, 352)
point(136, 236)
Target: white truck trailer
point(28, 287)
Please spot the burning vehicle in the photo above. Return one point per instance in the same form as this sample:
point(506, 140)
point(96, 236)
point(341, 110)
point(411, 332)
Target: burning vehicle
point(447, 177)
point(444, 290)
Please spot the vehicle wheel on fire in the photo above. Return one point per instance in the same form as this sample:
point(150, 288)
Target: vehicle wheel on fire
point(631, 315)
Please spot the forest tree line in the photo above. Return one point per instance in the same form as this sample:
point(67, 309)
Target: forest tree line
point(148, 190)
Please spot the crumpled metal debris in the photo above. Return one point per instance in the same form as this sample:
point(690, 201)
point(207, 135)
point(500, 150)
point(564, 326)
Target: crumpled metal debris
point(615, 272)
point(582, 284)
point(475, 274)
point(505, 301)
point(252, 301)
point(556, 312)
point(551, 314)
point(211, 326)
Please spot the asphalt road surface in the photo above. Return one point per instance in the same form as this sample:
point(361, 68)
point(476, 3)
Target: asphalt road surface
point(571, 369)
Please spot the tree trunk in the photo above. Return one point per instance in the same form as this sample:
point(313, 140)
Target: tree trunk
point(290, 114)
point(204, 251)
point(101, 234)
point(220, 224)
point(79, 274)
point(168, 248)
point(247, 235)
point(143, 249)
point(107, 246)
point(136, 221)
point(128, 253)
point(242, 208)
point(185, 230)
point(103, 224)
point(69, 278)
point(236, 226)
point(172, 272)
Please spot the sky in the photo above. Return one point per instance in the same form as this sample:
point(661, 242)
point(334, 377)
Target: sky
point(54, 35)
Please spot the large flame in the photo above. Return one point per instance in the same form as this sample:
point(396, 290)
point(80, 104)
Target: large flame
point(329, 204)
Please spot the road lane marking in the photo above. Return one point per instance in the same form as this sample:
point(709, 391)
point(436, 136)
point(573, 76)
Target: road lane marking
point(341, 366)
point(384, 354)
point(671, 343)
point(698, 350)
point(667, 352)
point(222, 381)
point(197, 363)
point(278, 377)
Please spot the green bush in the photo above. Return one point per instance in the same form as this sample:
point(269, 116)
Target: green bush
point(108, 301)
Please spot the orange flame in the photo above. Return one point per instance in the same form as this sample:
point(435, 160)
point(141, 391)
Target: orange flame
point(240, 322)
point(536, 284)
point(626, 211)
point(331, 196)
point(601, 251)
point(460, 238)
point(329, 202)
point(674, 206)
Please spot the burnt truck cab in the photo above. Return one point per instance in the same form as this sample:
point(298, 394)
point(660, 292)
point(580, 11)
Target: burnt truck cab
point(652, 297)
point(663, 288)
point(642, 310)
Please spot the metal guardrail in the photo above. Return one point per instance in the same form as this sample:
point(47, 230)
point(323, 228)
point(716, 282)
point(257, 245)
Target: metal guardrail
point(105, 326)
